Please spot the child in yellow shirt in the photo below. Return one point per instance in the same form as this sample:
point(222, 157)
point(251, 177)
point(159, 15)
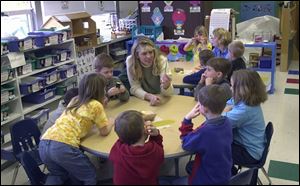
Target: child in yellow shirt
point(198, 43)
point(59, 146)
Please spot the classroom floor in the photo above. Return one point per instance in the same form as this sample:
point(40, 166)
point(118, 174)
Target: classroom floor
point(281, 108)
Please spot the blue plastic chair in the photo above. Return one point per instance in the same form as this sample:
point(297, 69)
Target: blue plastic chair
point(25, 136)
point(260, 165)
point(31, 167)
point(242, 178)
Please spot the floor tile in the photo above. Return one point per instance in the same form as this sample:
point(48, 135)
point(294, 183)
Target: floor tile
point(284, 170)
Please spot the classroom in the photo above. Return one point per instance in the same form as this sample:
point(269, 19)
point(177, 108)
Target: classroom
point(150, 92)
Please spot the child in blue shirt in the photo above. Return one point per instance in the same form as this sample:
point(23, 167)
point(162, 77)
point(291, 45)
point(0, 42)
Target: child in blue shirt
point(245, 113)
point(211, 141)
point(204, 56)
point(220, 40)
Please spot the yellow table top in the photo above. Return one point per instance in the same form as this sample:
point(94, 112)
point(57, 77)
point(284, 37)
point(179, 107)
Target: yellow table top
point(172, 111)
point(177, 77)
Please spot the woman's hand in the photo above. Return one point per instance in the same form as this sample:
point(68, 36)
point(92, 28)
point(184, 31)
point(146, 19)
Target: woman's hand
point(153, 99)
point(165, 81)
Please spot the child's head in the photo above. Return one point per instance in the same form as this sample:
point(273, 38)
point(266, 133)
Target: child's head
point(103, 64)
point(236, 49)
point(201, 34)
point(221, 37)
point(69, 95)
point(213, 98)
point(204, 56)
point(129, 126)
point(217, 68)
point(91, 86)
point(247, 86)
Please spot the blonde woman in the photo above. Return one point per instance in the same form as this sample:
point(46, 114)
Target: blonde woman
point(148, 71)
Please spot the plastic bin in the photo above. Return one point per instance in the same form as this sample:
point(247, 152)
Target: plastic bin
point(44, 38)
point(265, 62)
point(50, 76)
point(6, 74)
point(7, 93)
point(25, 44)
point(25, 69)
point(67, 71)
point(16, 45)
point(31, 84)
point(65, 86)
point(4, 112)
point(41, 96)
point(45, 61)
point(65, 34)
point(62, 55)
point(148, 30)
point(4, 47)
point(40, 116)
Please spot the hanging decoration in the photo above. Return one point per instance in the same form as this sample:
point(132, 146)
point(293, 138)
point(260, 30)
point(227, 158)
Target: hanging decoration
point(146, 7)
point(195, 7)
point(157, 17)
point(179, 18)
point(168, 7)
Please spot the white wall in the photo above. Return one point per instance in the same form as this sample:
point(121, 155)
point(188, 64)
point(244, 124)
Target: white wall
point(126, 7)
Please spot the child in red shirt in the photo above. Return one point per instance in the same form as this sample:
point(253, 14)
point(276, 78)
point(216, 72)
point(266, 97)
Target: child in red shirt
point(135, 161)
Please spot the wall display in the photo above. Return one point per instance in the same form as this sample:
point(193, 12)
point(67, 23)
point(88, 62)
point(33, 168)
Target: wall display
point(168, 7)
point(157, 17)
point(250, 10)
point(179, 18)
point(193, 19)
point(195, 6)
point(145, 7)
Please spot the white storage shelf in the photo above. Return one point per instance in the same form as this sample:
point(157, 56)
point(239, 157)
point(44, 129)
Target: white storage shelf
point(18, 108)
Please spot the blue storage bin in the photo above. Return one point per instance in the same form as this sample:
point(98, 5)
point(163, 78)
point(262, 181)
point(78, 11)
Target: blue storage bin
point(265, 62)
point(44, 38)
point(4, 47)
point(50, 76)
point(31, 84)
point(41, 96)
point(67, 71)
point(41, 116)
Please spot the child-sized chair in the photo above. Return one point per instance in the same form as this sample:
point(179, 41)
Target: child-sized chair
point(242, 178)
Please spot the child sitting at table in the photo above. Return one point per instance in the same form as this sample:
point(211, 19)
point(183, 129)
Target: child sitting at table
point(59, 146)
point(220, 40)
point(216, 73)
point(103, 65)
point(211, 141)
point(135, 161)
point(198, 43)
point(60, 108)
point(236, 51)
point(194, 78)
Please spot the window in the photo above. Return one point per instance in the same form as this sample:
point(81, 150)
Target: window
point(20, 13)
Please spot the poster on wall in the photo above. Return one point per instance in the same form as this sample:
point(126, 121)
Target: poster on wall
point(179, 18)
point(146, 7)
point(168, 7)
point(157, 17)
point(195, 7)
point(219, 18)
point(250, 10)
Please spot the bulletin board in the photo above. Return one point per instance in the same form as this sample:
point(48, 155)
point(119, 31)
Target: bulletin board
point(194, 17)
point(250, 10)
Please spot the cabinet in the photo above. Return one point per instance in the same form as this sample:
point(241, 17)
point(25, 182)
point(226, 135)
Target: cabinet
point(272, 70)
point(14, 98)
point(116, 48)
